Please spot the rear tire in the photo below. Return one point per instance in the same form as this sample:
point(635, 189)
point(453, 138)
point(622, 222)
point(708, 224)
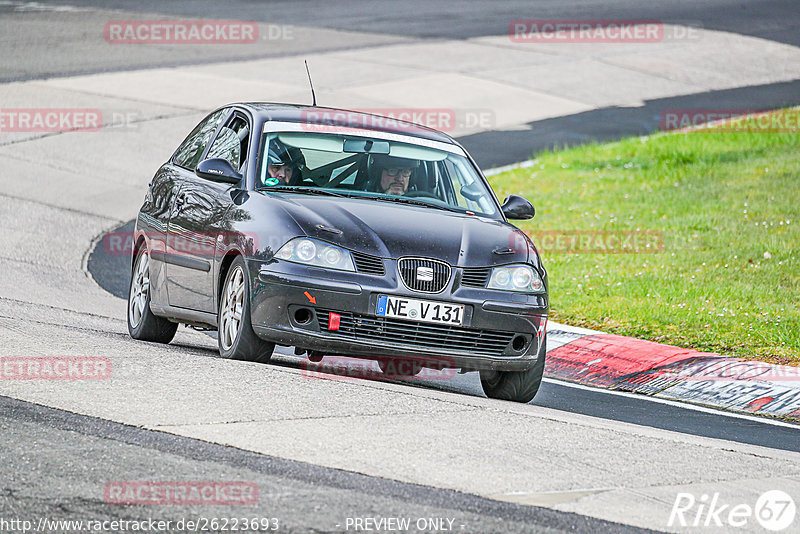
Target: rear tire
point(237, 340)
point(516, 386)
point(142, 324)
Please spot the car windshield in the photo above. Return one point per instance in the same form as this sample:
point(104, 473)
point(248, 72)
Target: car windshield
point(373, 168)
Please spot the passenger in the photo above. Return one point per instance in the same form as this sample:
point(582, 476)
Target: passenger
point(391, 175)
point(283, 164)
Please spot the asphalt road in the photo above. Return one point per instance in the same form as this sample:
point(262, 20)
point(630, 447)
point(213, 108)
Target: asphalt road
point(60, 43)
point(63, 43)
point(70, 458)
point(180, 413)
point(110, 271)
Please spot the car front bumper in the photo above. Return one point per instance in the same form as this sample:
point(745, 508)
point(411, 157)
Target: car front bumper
point(291, 305)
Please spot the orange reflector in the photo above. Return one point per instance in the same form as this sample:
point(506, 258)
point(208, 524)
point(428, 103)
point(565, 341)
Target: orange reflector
point(333, 321)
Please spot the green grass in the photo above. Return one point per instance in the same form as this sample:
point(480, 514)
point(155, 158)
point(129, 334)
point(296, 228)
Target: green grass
point(727, 206)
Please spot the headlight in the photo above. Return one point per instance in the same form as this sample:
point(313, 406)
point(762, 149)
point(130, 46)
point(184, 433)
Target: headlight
point(521, 278)
point(318, 253)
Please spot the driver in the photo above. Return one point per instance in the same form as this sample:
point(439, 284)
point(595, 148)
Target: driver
point(283, 164)
point(392, 174)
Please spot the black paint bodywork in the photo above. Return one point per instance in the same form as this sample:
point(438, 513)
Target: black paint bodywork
point(193, 227)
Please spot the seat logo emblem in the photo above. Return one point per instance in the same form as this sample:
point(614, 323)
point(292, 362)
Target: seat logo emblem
point(425, 274)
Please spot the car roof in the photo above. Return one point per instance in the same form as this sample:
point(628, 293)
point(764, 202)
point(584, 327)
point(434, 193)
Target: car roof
point(344, 117)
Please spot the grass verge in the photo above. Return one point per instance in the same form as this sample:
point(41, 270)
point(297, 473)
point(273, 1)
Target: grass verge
point(726, 207)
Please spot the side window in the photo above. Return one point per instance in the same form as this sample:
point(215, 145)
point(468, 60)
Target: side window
point(191, 150)
point(455, 184)
point(232, 142)
point(467, 193)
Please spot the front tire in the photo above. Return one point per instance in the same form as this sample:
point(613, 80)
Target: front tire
point(142, 324)
point(516, 386)
point(237, 340)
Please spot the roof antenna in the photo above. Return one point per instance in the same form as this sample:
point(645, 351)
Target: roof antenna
point(313, 96)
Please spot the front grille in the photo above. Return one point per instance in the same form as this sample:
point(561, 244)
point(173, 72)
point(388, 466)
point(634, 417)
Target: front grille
point(366, 328)
point(368, 264)
point(424, 275)
point(475, 276)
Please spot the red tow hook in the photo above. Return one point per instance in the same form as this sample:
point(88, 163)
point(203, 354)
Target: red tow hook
point(333, 321)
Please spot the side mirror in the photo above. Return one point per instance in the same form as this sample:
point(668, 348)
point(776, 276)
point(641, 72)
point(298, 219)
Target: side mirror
point(471, 192)
point(218, 170)
point(517, 207)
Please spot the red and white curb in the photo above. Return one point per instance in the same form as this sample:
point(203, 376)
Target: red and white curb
point(622, 363)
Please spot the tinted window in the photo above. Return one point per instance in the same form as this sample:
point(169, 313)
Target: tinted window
point(231, 142)
point(341, 164)
point(191, 150)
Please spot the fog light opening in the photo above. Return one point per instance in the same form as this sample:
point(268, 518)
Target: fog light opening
point(303, 316)
point(518, 343)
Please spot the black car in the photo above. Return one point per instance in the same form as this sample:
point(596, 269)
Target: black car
point(339, 233)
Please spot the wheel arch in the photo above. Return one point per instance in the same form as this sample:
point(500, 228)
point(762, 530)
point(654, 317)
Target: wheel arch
point(224, 267)
point(138, 245)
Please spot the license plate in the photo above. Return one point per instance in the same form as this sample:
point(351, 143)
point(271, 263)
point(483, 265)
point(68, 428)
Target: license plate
point(420, 310)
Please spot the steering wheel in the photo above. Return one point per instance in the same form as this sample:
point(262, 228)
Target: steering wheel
point(420, 194)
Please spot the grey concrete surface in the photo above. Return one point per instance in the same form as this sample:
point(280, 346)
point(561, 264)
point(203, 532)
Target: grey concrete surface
point(510, 99)
point(426, 436)
point(63, 37)
point(55, 42)
point(43, 483)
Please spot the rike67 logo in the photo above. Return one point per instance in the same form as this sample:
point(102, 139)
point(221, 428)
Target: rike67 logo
point(774, 510)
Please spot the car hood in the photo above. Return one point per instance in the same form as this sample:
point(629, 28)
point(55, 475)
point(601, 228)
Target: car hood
point(396, 230)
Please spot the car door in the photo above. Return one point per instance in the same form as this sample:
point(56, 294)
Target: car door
point(184, 162)
point(161, 199)
point(199, 219)
point(153, 220)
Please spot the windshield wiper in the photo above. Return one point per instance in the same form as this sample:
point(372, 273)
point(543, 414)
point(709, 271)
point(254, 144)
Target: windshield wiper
point(300, 189)
point(415, 202)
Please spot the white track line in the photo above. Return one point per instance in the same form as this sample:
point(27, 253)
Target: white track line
point(677, 404)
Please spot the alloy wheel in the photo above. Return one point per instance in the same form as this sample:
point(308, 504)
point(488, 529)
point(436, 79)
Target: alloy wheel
point(231, 310)
point(140, 287)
